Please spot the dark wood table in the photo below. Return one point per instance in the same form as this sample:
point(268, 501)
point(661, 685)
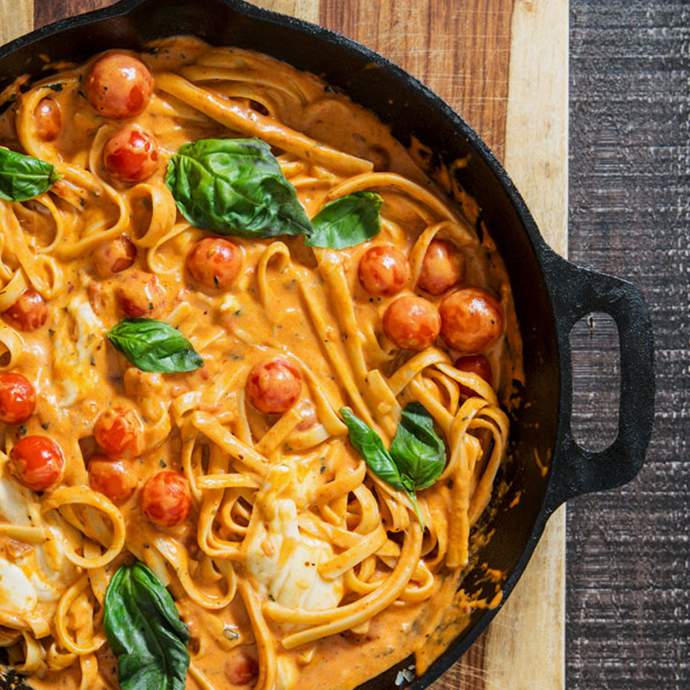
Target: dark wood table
point(628, 551)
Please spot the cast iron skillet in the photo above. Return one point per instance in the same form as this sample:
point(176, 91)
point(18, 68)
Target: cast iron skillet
point(550, 293)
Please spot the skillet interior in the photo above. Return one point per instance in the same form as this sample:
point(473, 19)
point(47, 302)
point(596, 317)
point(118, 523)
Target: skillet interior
point(411, 110)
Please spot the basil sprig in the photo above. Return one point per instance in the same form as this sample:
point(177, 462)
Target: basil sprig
point(236, 187)
point(153, 345)
point(145, 632)
point(417, 455)
point(347, 221)
point(24, 177)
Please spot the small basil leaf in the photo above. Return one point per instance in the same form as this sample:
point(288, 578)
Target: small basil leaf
point(235, 187)
point(347, 221)
point(370, 446)
point(24, 177)
point(153, 345)
point(144, 630)
point(418, 451)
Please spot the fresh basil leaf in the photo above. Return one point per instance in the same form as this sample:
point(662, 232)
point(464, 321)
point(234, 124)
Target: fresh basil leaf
point(370, 446)
point(417, 455)
point(418, 451)
point(153, 345)
point(347, 221)
point(144, 630)
point(235, 187)
point(24, 177)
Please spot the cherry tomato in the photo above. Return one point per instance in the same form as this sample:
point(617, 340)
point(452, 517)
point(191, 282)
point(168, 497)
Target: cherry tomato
point(131, 155)
point(118, 431)
point(241, 669)
point(114, 256)
point(474, 364)
point(307, 412)
point(29, 312)
point(215, 262)
point(411, 322)
point(37, 462)
point(141, 294)
point(166, 499)
point(119, 86)
point(383, 270)
point(17, 398)
point(442, 268)
point(471, 320)
point(273, 386)
point(115, 479)
point(48, 119)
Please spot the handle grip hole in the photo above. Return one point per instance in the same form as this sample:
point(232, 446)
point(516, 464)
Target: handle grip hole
point(595, 351)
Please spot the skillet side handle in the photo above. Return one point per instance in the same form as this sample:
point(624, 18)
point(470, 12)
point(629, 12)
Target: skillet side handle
point(576, 292)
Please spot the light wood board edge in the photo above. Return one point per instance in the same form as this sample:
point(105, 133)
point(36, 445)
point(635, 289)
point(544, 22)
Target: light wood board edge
point(303, 9)
point(22, 19)
point(525, 649)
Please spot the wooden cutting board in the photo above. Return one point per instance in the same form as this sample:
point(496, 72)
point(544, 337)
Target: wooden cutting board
point(503, 64)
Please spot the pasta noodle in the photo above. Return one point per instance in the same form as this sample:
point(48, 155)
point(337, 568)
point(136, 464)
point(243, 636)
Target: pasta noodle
point(294, 558)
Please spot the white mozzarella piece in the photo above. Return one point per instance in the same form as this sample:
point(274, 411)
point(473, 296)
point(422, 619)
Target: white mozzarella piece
point(17, 593)
point(76, 345)
point(285, 562)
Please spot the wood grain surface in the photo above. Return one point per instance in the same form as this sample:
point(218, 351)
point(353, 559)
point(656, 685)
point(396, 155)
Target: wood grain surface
point(629, 550)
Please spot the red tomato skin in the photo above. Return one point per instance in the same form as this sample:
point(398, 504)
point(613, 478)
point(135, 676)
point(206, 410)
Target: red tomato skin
point(471, 320)
point(215, 262)
point(114, 256)
point(29, 312)
point(274, 386)
point(411, 322)
point(131, 155)
point(141, 294)
point(17, 398)
point(474, 364)
point(118, 431)
point(119, 86)
point(37, 462)
point(166, 499)
point(48, 119)
point(383, 270)
point(443, 268)
point(241, 669)
point(115, 479)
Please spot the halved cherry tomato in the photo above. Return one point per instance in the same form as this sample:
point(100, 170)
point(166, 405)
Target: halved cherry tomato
point(115, 479)
point(274, 386)
point(119, 86)
point(241, 669)
point(37, 462)
point(114, 256)
point(166, 499)
point(141, 294)
point(118, 431)
point(29, 312)
point(412, 323)
point(48, 119)
point(442, 268)
point(131, 155)
point(215, 262)
point(474, 364)
point(17, 398)
point(471, 320)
